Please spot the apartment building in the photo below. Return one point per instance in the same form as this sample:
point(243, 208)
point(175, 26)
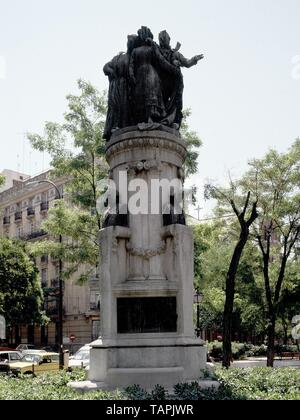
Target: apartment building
point(24, 204)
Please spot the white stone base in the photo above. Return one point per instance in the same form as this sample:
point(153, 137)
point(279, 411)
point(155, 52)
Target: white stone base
point(166, 362)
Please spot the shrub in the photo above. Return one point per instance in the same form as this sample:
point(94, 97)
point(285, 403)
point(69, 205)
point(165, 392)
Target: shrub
point(241, 350)
point(50, 386)
point(159, 393)
point(235, 384)
point(135, 392)
point(261, 383)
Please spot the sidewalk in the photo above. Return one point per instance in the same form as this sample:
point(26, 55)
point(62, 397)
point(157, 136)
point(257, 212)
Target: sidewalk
point(262, 362)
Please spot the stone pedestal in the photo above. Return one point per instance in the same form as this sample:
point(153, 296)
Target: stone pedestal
point(146, 279)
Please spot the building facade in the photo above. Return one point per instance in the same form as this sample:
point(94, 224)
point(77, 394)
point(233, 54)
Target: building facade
point(24, 204)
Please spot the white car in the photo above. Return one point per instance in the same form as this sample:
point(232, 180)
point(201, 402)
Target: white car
point(25, 347)
point(7, 357)
point(81, 358)
point(10, 356)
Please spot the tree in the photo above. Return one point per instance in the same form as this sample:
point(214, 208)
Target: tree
point(245, 211)
point(276, 180)
point(213, 251)
point(193, 144)
point(20, 291)
point(79, 220)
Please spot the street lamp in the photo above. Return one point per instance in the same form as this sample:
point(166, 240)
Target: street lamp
point(60, 287)
point(198, 297)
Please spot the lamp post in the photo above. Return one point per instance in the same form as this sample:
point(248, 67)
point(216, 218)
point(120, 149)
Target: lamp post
point(198, 297)
point(60, 286)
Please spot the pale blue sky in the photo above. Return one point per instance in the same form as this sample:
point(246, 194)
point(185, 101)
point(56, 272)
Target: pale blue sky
point(243, 96)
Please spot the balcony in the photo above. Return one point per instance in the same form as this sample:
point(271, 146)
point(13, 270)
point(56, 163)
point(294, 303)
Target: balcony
point(30, 212)
point(18, 216)
point(44, 206)
point(35, 235)
point(6, 220)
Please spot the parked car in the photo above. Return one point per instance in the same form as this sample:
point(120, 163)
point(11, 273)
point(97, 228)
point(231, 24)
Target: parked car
point(23, 347)
point(81, 358)
point(35, 352)
point(33, 364)
point(10, 356)
point(7, 357)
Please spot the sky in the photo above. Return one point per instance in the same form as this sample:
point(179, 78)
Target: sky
point(244, 95)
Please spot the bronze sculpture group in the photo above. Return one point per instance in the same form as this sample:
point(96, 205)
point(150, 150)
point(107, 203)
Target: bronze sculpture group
point(146, 83)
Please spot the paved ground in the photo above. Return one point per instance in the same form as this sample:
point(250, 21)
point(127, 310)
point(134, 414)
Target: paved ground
point(262, 362)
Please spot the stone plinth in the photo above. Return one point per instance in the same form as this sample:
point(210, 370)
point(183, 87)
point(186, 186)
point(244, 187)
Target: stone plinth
point(146, 279)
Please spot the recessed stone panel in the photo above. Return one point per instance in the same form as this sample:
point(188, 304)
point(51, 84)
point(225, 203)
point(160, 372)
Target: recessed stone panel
point(146, 315)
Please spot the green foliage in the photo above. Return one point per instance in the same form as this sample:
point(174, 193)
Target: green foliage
point(193, 144)
point(77, 151)
point(49, 387)
point(20, 290)
point(276, 180)
point(2, 180)
point(76, 146)
point(235, 384)
point(261, 383)
point(80, 246)
point(159, 393)
point(239, 350)
point(136, 392)
point(213, 249)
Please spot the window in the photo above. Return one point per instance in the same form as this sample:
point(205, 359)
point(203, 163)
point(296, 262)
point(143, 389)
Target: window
point(14, 357)
point(19, 232)
point(4, 357)
point(45, 197)
point(31, 228)
point(44, 277)
point(61, 191)
point(94, 300)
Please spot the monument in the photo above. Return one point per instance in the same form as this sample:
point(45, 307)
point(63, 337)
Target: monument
point(146, 269)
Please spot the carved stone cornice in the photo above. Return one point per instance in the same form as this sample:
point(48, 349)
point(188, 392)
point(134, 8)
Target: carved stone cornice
point(146, 139)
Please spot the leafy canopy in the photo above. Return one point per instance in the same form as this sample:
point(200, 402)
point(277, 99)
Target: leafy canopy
point(20, 292)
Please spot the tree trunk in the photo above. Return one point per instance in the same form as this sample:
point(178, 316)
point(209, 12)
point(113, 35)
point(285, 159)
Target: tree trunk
point(227, 332)
point(271, 341)
point(285, 329)
point(230, 290)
